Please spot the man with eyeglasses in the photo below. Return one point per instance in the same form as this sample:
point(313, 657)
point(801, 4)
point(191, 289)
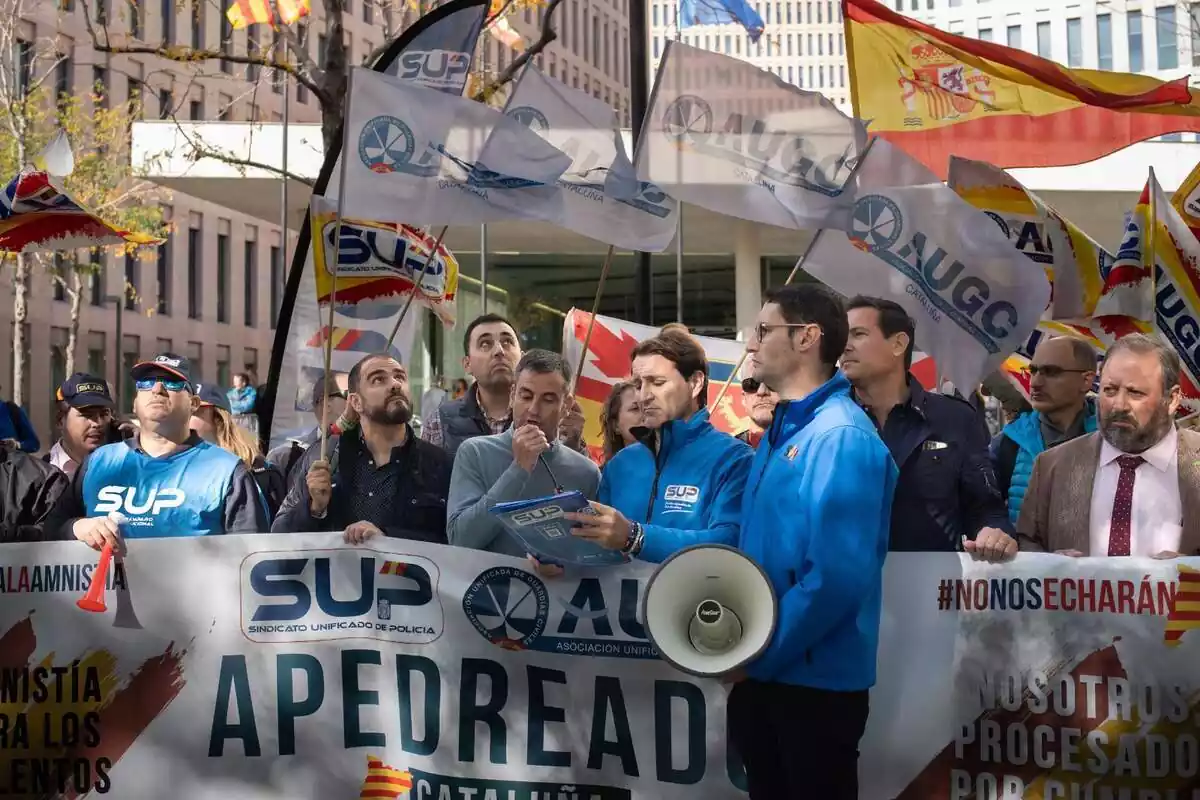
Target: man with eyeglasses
point(1062, 373)
point(165, 480)
point(947, 498)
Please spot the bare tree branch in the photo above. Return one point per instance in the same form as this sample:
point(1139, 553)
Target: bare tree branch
point(190, 55)
point(547, 35)
point(201, 150)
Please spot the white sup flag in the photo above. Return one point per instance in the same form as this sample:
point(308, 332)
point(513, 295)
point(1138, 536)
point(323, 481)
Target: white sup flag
point(599, 194)
point(970, 292)
point(420, 156)
point(735, 139)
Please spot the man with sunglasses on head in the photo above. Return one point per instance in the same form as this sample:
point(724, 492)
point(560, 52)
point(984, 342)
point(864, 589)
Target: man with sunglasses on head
point(287, 456)
point(1062, 373)
point(947, 498)
point(165, 480)
point(760, 403)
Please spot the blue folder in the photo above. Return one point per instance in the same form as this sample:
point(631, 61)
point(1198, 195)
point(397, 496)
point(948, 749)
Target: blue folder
point(539, 526)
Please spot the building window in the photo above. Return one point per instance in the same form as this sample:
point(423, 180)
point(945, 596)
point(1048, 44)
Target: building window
point(985, 34)
point(195, 355)
point(368, 11)
point(196, 110)
point(96, 277)
point(224, 379)
point(132, 279)
point(277, 280)
point(166, 103)
point(162, 300)
point(131, 346)
point(64, 78)
point(1014, 36)
point(102, 11)
point(222, 277)
point(166, 12)
point(194, 271)
point(59, 269)
point(226, 44)
point(58, 358)
point(1104, 55)
point(1075, 42)
point(250, 287)
point(1134, 22)
point(96, 353)
point(1043, 39)
point(1168, 37)
point(100, 86)
point(250, 362)
point(224, 108)
point(197, 40)
point(135, 19)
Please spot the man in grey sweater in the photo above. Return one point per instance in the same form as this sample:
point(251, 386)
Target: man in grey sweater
point(489, 470)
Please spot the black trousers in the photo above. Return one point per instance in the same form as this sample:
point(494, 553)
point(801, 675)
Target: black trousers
point(797, 742)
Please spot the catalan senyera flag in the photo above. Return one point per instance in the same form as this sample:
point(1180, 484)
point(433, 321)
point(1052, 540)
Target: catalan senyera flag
point(1186, 200)
point(1185, 612)
point(243, 13)
point(935, 94)
point(383, 781)
point(391, 568)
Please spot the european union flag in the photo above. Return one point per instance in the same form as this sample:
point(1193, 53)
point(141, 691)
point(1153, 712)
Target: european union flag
point(721, 12)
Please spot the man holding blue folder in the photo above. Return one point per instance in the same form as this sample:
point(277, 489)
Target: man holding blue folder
point(525, 462)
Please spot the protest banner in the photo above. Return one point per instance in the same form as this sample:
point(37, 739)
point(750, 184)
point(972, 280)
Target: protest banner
point(294, 666)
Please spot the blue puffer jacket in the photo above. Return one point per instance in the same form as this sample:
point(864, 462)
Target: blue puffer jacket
point(816, 516)
point(689, 493)
point(1014, 450)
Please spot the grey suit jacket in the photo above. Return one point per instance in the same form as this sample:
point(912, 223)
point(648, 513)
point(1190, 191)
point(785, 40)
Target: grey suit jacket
point(1056, 513)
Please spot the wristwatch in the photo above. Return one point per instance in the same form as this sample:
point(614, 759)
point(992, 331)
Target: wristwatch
point(637, 537)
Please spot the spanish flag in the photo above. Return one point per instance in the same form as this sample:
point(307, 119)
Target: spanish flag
point(1185, 612)
point(383, 781)
point(243, 13)
point(936, 94)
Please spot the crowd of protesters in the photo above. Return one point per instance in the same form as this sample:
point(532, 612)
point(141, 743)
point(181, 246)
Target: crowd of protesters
point(849, 457)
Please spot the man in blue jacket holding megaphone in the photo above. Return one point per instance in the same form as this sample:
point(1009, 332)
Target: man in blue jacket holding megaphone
point(681, 483)
point(815, 516)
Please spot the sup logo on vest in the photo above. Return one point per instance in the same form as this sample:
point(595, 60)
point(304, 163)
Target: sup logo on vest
point(681, 498)
point(140, 507)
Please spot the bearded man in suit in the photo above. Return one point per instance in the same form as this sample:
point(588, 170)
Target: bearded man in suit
point(1133, 487)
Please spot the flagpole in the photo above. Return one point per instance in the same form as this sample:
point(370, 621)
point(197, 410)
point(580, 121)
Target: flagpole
point(679, 219)
point(283, 191)
point(792, 275)
point(417, 285)
point(337, 242)
point(587, 339)
point(483, 265)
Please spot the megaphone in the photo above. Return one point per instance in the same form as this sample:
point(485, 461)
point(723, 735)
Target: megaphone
point(709, 609)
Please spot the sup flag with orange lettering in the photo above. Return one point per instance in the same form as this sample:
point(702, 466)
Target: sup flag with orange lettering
point(383, 781)
point(244, 13)
point(936, 94)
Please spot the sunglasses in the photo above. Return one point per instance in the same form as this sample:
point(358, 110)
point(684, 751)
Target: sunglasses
point(148, 384)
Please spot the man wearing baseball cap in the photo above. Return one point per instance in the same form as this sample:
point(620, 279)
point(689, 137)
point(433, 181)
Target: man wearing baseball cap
point(165, 480)
point(84, 417)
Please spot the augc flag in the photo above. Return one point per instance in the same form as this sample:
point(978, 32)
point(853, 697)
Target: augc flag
point(936, 94)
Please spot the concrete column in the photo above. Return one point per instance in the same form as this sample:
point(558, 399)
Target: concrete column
point(747, 260)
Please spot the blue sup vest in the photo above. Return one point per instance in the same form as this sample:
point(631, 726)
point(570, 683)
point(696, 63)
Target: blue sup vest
point(179, 495)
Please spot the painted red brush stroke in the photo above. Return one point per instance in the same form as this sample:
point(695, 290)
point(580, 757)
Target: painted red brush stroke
point(125, 714)
point(934, 781)
point(130, 711)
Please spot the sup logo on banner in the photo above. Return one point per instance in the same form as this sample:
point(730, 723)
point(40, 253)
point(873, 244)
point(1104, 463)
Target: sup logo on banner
point(386, 144)
point(322, 595)
point(513, 609)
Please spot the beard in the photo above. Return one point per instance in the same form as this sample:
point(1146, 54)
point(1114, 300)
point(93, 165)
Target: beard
point(1137, 438)
point(395, 410)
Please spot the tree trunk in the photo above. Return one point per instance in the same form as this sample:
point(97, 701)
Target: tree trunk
point(20, 314)
point(335, 75)
point(76, 293)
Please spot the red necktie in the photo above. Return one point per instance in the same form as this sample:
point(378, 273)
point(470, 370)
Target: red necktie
point(1122, 511)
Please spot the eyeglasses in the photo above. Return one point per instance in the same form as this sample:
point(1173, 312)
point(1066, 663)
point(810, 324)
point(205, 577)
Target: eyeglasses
point(760, 330)
point(1052, 371)
point(148, 384)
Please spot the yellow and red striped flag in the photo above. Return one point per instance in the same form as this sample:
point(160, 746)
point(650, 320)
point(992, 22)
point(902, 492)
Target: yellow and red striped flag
point(935, 94)
point(392, 568)
point(1185, 612)
point(243, 13)
point(383, 781)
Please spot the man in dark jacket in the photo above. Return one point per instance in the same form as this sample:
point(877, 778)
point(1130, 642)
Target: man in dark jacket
point(29, 490)
point(947, 498)
point(380, 480)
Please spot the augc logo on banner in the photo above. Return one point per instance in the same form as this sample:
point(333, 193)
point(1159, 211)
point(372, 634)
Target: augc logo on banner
point(321, 595)
point(513, 609)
